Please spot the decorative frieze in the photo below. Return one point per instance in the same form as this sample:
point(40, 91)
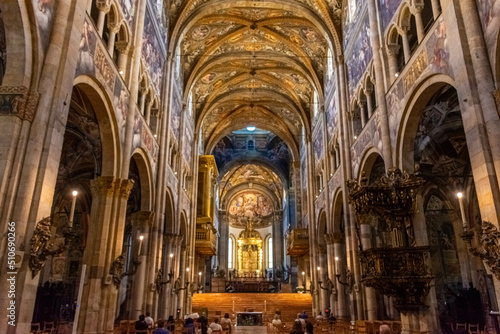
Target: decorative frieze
point(18, 101)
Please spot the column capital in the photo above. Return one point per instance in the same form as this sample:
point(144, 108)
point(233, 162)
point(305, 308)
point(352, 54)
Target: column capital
point(103, 186)
point(334, 238)
point(125, 188)
point(393, 49)
point(142, 219)
point(103, 5)
point(340, 60)
point(123, 46)
point(174, 239)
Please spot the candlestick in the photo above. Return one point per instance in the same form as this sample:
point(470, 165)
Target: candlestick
point(265, 305)
point(233, 306)
point(336, 265)
point(304, 279)
point(140, 245)
point(199, 278)
point(462, 211)
point(72, 212)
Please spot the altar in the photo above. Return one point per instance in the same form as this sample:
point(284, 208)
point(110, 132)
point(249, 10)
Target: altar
point(249, 318)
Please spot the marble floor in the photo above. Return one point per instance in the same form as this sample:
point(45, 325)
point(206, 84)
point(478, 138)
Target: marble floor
point(249, 330)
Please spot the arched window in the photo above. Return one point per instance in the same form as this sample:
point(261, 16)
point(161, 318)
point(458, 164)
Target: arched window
point(230, 251)
point(270, 253)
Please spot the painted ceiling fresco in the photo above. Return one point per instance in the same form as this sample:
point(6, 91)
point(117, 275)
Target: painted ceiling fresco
point(267, 148)
point(254, 174)
point(254, 61)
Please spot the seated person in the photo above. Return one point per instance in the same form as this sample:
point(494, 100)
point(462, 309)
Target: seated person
point(276, 320)
point(319, 317)
point(215, 326)
point(161, 329)
point(141, 324)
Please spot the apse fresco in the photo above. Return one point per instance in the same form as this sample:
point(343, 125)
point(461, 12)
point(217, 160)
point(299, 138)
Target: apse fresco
point(44, 14)
point(387, 9)
point(489, 11)
point(151, 52)
point(250, 204)
point(128, 10)
point(360, 55)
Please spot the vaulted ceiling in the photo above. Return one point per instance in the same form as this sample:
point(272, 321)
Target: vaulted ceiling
point(254, 62)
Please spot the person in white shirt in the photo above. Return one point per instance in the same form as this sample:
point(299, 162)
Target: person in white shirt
point(226, 322)
point(276, 321)
point(149, 320)
point(215, 326)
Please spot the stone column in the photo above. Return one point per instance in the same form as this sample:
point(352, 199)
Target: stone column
point(142, 104)
point(147, 113)
point(113, 30)
point(99, 281)
point(278, 246)
point(142, 222)
point(417, 11)
point(371, 296)
point(435, 9)
point(392, 53)
point(104, 8)
point(406, 45)
point(362, 114)
point(369, 102)
point(124, 49)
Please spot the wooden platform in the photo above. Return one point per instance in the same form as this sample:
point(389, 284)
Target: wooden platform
point(220, 303)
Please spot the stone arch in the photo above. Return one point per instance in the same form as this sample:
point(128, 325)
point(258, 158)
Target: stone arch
point(20, 43)
point(146, 179)
point(368, 161)
point(169, 217)
point(108, 126)
point(408, 125)
point(337, 223)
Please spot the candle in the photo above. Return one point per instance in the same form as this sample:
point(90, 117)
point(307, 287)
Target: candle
point(233, 305)
point(462, 211)
point(199, 278)
point(304, 279)
point(72, 212)
point(265, 305)
point(336, 265)
point(140, 245)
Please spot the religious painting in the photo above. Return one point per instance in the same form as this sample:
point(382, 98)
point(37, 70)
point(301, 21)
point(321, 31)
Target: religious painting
point(201, 32)
point(136, 139)
point(279, 153)
point(387, 9)
point(44, 11)
point(121, 103)
point(151, 52)
point(128, 10)
point(360, 55)
point(176, 114)
point(318, 144)
point(147, 138)
point(86, 50)
point(187, 146)
point(308, 34)
point(223, 152)
point(249, 205)
point(438, 49)
point(332, 117)
point(489, 12)
point(105, 71)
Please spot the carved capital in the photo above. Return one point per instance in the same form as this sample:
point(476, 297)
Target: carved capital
point(103, 5)
point(103, 186)
point(142, 219)
point(125, 188)
point(393, 50)
point(17, 100)
point(334, 238)
point(122, 46)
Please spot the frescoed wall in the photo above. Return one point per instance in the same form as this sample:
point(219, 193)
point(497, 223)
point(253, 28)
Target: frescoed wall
point(93, 60)
point(332, 116)
point(187, 146)
point(360, 54)
point(128, 10)
point(489, 11)
point(44, 14)
point(175, 114)
point(151, 51)
point(387, 9)
point(318, 144)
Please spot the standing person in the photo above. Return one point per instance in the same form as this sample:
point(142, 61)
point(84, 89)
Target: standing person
point(161, 328)
point(204, 324)
point(226, 322)
point(171, 323)
point(149, 320)
point(304, 315)
point(140, 324)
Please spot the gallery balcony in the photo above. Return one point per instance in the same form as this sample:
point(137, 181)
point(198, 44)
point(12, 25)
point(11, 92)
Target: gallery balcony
point(297, 243)
point(205, 240)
